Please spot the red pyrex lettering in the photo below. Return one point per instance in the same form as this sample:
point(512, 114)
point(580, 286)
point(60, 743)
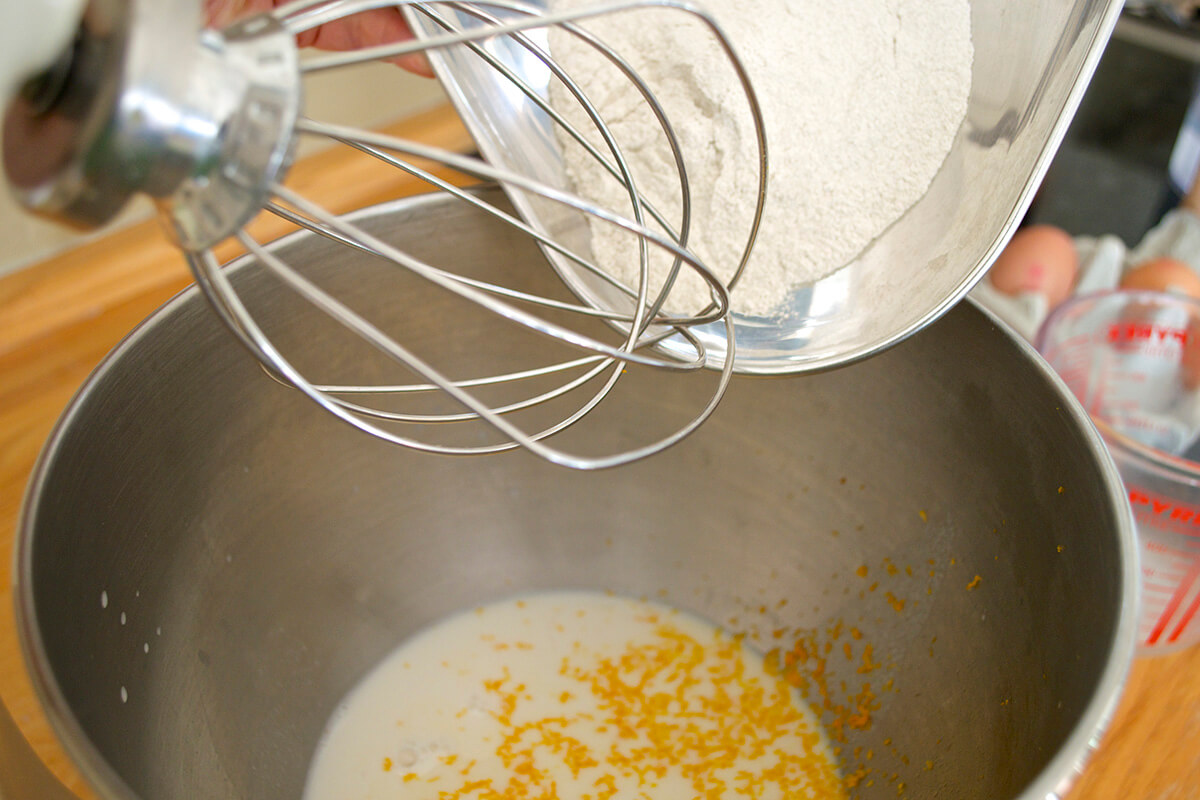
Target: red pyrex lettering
point(1163, 510)
point(1145, 332)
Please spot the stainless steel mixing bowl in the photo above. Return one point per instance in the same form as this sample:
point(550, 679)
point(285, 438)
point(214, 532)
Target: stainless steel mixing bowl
point(207, 563)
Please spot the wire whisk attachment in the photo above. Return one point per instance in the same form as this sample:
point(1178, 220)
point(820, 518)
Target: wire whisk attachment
point(533, 364)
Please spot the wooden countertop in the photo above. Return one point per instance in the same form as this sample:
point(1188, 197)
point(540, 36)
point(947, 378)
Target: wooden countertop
point(59, 318)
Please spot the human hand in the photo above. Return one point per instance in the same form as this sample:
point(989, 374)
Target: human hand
point(366, 29)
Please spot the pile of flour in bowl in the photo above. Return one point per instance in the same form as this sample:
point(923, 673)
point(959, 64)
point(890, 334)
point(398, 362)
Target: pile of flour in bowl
point(862, 100)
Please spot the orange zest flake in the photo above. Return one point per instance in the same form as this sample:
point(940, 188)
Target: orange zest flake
point(607, 785)
point(896, 603)
point(856, 777)
point(495, 684)
point(975, 582)
point(868, 665)
point(387, 764)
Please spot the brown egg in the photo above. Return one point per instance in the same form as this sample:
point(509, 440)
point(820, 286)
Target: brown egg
point(1163, 275)
point(1189, 360)
point(1041, 259)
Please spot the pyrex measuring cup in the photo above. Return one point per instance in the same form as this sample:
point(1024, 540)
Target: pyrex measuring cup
point(1133, 360)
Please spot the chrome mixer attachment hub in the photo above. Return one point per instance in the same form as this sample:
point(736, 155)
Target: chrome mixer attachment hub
point(201, 122)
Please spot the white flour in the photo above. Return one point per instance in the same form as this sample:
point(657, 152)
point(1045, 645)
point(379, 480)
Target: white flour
point(862, 100)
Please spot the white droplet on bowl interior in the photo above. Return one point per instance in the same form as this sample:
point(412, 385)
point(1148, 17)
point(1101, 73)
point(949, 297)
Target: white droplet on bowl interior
point(124, 695)
point(104, 598)
point(122, 617)
point(145, 647)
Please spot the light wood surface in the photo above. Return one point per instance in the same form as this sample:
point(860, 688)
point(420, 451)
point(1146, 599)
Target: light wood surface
point(58, 319)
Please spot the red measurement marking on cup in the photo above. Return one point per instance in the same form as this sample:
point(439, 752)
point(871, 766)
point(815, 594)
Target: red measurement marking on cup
point(1173, 605)
point(1163, 548)
point(1185, 619)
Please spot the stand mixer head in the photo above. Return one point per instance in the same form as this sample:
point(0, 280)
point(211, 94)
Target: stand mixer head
point(206, 122)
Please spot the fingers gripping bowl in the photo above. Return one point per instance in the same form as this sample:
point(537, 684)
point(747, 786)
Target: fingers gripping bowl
point(206, 563)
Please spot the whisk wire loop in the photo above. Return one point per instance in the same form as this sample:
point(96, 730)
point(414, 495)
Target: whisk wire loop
point(618, 168)
point(219, 289)
point(246, 326)
point(504, 291)
point(639, 313)
point(542, 239)
point(710, 314)
point(484, 299)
